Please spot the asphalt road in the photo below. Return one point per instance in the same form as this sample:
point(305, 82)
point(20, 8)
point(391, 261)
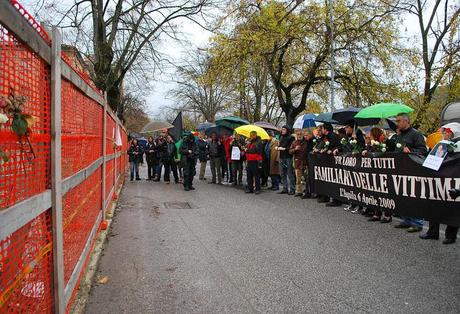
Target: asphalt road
point(238, 253)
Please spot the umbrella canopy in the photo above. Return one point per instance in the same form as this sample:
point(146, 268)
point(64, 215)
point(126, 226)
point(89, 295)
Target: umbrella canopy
point(156, 126)
point(245, 130)
point(204, 126)
point(305, 121)
point(266, 125)
point(454, 127)
point(383, 110)
point(231, 122)
point(219, 130)
point(345, 115)
point(325, 117)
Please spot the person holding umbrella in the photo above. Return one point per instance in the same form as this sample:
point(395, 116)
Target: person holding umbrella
point(273, 155)
point(189, 154)
point(254, 163)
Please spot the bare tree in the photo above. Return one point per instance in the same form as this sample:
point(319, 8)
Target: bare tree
point(200, 87)
point(124, 34)
point(438, 23)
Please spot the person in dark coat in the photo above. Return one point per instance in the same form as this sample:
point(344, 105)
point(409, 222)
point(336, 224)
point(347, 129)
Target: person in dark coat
point(150, 158)
point(330, 142)
point(216, 154)
point(203, 155)
point(253, 163)
point(237, 164)
point(160, 152)
point(286, 166)
point(308, 138)
point(189, 155)
point(169, 160)
point(134, 153)
point(412, 141)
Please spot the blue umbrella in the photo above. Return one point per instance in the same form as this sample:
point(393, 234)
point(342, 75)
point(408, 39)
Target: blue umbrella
point(204, 126)
point(305, 121)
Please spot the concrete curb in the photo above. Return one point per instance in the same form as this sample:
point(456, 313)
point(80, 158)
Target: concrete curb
point(88, 277)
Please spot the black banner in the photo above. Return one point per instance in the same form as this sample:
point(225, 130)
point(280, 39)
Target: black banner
point(393, 182)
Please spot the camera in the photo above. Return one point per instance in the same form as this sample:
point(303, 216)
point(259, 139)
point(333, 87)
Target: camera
point(454, 193)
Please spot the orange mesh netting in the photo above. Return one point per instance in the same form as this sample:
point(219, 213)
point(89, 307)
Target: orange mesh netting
point(26, 255)
point(27, 171)
point(26, 265)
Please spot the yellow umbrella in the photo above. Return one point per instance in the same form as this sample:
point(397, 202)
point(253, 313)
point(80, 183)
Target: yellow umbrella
point(433, 139)
point(245, 130)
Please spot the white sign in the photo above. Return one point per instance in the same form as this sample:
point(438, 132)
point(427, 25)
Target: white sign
point(236, 153)
point(436, 156)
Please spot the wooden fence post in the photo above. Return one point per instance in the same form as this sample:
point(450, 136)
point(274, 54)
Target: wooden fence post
point(56, 173)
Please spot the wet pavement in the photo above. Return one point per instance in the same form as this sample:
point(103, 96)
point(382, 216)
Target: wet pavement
point(219, 250)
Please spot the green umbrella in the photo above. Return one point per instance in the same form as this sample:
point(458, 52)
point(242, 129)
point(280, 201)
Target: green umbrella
point(231, 122)
point(383, 110)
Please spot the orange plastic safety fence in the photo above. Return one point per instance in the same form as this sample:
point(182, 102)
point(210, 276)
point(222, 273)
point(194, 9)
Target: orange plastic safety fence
point(32, 21)
point(81, 206)
point(26, 268)
point(26, 173)
point(26, 261)
point(81, 129)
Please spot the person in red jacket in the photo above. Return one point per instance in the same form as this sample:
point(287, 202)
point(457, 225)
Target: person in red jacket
point(226, 165)
point(253, 162)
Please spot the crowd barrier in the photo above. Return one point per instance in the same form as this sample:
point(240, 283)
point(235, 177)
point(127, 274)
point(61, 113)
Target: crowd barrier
point(60, 179)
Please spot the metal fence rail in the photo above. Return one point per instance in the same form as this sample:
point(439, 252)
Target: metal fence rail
point(55, 191)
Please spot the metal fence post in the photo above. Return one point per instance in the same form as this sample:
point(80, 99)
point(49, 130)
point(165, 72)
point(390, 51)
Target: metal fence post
point(104, 152)
point(56, 173)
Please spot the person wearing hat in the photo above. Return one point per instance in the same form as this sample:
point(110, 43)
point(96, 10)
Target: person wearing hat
point(254, 163)
point(286, 166)
point(433, 227)
point(189, 155)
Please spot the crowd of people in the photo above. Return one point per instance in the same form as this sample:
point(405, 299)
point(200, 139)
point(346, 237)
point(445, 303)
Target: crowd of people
point(282, 161)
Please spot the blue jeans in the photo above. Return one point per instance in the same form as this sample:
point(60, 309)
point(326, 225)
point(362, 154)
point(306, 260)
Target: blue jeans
point(158, 170)
point(287, 174)
point(413, 222)
point(134, 167)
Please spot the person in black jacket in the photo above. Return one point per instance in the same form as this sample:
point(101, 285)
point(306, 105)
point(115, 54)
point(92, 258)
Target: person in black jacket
point(134, 153)
point(216, 153)
point(160, 151)
point(202, 145)
point(189, 155)
point(169, 160)
point(286, 166)
point(151, 158)
point(412, 141)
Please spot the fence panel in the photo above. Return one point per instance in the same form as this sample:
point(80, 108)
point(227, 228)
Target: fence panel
point(26, 216)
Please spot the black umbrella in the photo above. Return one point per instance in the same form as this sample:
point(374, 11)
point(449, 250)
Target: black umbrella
point(342, 116)
point(219, 130)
